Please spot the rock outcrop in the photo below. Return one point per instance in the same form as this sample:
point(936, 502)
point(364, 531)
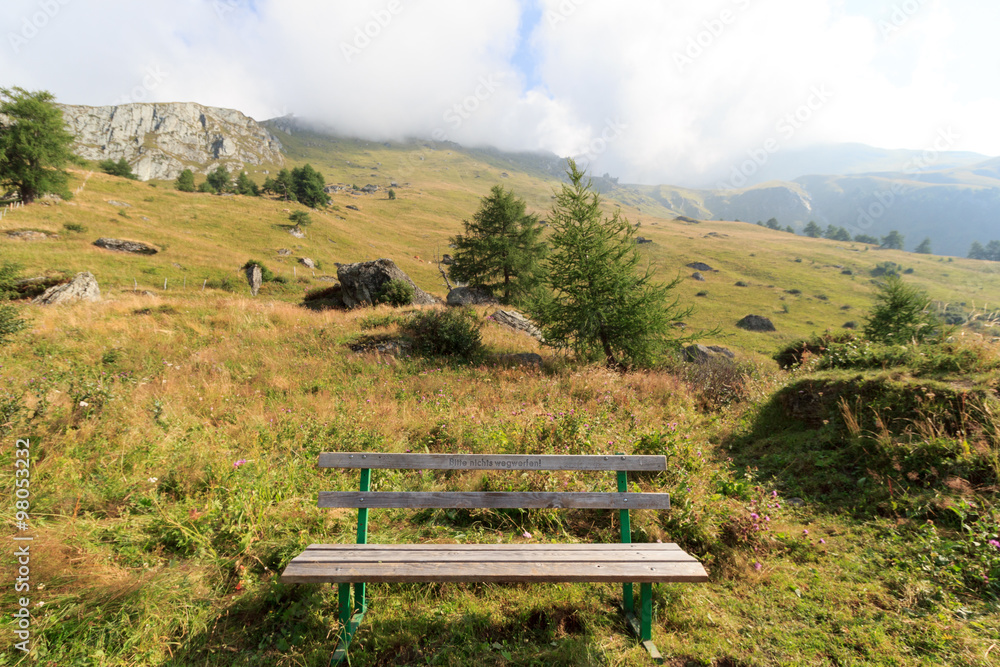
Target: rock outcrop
point(361, 283)
point(121, 245)
point(703, 353)
point(160, 140)
point(254, 278)
point(83, 287)
point(516, 321)
point(469, 296)
point(756, 323)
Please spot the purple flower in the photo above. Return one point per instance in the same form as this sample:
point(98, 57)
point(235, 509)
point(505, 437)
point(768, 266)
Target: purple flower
point(805, 531)
point(753, 515)
point(757, 566)
point(238, 463)
point(822, 541)
point(526, 535)
point(994, 543)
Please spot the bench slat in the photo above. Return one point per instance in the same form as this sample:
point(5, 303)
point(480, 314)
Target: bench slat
point(492, 499)
point(491, 461)
point(502, 556)
point(609, 546)
point(538, 571)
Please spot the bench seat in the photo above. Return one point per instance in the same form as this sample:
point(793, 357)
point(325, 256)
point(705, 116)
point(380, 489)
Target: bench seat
point(349, 563)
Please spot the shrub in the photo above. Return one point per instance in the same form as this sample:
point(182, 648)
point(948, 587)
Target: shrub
point(74, 227)
point(397, 292)
point(900, 314)
point(120, 168)
point(266, 275)
point(446, 333)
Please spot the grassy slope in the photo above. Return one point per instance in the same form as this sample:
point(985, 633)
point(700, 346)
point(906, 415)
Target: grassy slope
point(155, 549)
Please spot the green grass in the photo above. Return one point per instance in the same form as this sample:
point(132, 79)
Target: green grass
point(155, 548)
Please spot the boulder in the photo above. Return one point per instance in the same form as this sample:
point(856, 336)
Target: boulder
point(447, 259)
point(697, 276)
point(30, 235)
point(470, 296)
point(352, 207)
point(310, 264)
point(121, 245)
point(700, 266)
point(83, 287)
point(516, 321)
point(297, 233)
point(520, 359)
point(756, 323)
point(362, 282)
point(284, 252)
point(255, 278)
point(641, 239)
point(702, 353)
point(122, 204)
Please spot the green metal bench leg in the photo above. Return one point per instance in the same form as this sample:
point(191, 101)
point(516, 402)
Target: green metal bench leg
point(646, 622)
point(349, 622)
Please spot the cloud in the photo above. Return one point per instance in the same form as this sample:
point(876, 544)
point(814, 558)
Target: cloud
point(651, 91)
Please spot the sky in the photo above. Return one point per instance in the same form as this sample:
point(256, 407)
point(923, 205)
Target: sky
point(650, 91)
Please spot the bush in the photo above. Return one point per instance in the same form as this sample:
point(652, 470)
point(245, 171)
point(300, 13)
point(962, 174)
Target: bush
point(446, 333)
point(397, 292)
point(266, 275)
point(900, 314)
point(74, 227)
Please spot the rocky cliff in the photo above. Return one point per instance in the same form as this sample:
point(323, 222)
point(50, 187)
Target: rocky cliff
point(161, 140)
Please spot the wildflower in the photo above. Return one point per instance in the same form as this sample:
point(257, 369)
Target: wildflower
point(757, 566)
point(84, 404)
point(805, 531)
point(237, 464)
point(774, 494)
point(526, 535)
point(754, 515)
point(153, 480)
point(822, 541)
point(994, 543)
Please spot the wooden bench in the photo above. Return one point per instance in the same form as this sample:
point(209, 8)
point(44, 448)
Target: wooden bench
point(361, 563)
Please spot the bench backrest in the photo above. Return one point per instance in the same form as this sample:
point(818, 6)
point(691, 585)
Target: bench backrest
point(364, 498)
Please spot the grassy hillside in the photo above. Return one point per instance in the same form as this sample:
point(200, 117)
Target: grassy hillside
point(844, 510)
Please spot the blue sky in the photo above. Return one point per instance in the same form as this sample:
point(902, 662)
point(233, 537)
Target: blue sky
point(650, 90)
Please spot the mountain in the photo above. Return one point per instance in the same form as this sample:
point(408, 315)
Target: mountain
point(161, 140)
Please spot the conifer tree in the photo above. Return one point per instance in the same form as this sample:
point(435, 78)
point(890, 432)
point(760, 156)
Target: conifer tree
point(599, 302)
point(185, 182)
point(34, 144)
point(501, 249)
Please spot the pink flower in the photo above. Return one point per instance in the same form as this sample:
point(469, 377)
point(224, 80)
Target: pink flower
point(753, 515)
point(805, 531)
point(822, 541)
point(526, 535)
point(994, 543)
point(237, 464)
point(757, 566)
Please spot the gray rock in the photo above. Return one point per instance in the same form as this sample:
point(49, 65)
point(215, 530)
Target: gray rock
point(642, 239)
point(756, 323)
point(516, 321)
point(362, 282)
point(702, 353)
point(353, 207)
point(297, 233)
point(160, 140)
point(469, 296)
point(307, 262)
point(254, 277)
point(447, 259)
point(30, 235)
point(370, 189)
point(520, 359)
point(121, 245)
point(697, 276)
point(700, 266)
point(284, 252)
point(122, 204)
point(83, 287)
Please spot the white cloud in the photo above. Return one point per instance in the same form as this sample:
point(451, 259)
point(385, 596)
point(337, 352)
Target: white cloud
point(691, 87)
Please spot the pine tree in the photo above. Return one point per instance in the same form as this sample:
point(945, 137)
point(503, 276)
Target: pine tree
point(812, 230)
point(501, 249)
point(34, 144)
point(185, 182)
point(924, 248)
point(599, 303)
point(246, 186)
point(308, 186)
point(900, 313)
point(220, 180)
point(893, 240)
